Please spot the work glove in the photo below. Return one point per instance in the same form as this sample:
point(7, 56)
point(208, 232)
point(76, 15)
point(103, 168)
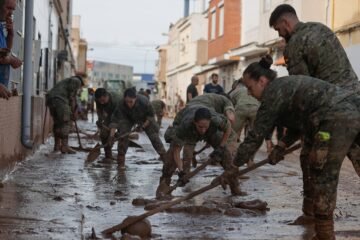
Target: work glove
point(218, 154)
point(227, 176)
point(182, 181)
point(139, 128)
point(99, 124)
point(276, 155)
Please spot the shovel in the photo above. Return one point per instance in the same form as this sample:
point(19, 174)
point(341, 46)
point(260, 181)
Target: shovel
point(216, 182)
point(95, 152)
point(78, 135)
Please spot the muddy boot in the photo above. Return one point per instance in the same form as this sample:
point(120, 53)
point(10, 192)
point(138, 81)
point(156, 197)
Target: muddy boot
point(121, 161)
point(235, 188)
point(108, 155)
point(57, 145)
point(308, 217)
point(324, 229)
point(162, 191)
point(194, 162)
point(187, 165)
point(65, 146)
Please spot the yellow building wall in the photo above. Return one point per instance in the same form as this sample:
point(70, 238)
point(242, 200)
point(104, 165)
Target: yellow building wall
point(346, 12)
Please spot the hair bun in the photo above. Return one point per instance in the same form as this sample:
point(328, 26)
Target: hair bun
point(266, 62)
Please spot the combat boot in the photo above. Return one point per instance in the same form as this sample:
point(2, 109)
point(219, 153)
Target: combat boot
point(57, 145)
point(308, 217)
point(65, 146)
point(162, 191)
point(235, 189)
point(121, 161)
point(108, 155)
point(187, 165)
point(324, 229)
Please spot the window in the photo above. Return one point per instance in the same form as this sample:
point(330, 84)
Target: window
point(221, 21)
point(213, 25)
point(267, 5)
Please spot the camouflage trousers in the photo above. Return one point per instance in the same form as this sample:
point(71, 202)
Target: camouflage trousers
point(243, 115)
point(61, 113)
point(152, 131)
point(321, 163)
point(159, 117)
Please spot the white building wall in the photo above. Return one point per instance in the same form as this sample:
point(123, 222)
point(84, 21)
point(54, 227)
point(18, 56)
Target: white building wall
point(250, 19)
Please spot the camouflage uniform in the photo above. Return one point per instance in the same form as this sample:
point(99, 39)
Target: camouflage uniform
point(124, 119)
point(314, 50)
point(219, 104)
point(159, 109)
point(246, 107)
point(213, 101)
point(104, 113)
point(316, 107)
point(183, 133)
point(59, 100)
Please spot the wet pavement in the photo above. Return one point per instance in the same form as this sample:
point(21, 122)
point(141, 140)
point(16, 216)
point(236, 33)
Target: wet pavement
point(55, 196)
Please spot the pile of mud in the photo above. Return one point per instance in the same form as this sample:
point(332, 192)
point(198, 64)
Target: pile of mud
point(234, 209)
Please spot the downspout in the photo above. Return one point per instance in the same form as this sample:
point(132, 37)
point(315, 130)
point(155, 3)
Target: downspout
point(28, 76)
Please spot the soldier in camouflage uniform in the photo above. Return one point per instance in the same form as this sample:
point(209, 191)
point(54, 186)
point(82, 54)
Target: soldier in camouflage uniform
point(313, 49)
point(327, 117)
point(217, 102)
point(106, 103)
point(159, 108)
point(61, 100)
point(246, 107)
point(195, 124)
point(133, 110)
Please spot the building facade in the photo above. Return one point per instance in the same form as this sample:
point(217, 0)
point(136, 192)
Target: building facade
point(51, 61)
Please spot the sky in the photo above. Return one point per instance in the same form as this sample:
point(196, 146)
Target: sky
point(127, 32)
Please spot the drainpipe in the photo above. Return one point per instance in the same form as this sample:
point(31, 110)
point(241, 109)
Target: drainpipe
point(186, 8)
point(28, 77)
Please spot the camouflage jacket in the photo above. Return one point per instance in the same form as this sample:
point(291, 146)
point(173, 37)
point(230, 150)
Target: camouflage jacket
point(105, 111)
point(185, 130)
point(296, 102)
point(141, 111)
point(65, 90)
point(241, 98)
point(213, 101)
point(158, 105)
point(314, 50)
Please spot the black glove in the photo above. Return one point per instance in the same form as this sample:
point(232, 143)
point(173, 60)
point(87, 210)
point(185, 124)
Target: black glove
point(99, 124)
point(139, 128)
point(218, 154)
point(182, 181)
point(276, 155)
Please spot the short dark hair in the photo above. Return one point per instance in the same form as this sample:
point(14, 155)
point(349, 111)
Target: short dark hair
point(279, 11)
point(130, 92)
point(214, 74)
point(100, 92)
point(202, 114)
point(148, 91)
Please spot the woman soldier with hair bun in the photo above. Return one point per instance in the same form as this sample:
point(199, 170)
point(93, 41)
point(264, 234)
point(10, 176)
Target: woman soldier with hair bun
point(326, 116)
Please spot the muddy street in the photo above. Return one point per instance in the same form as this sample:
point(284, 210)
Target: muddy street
point(55, 196)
